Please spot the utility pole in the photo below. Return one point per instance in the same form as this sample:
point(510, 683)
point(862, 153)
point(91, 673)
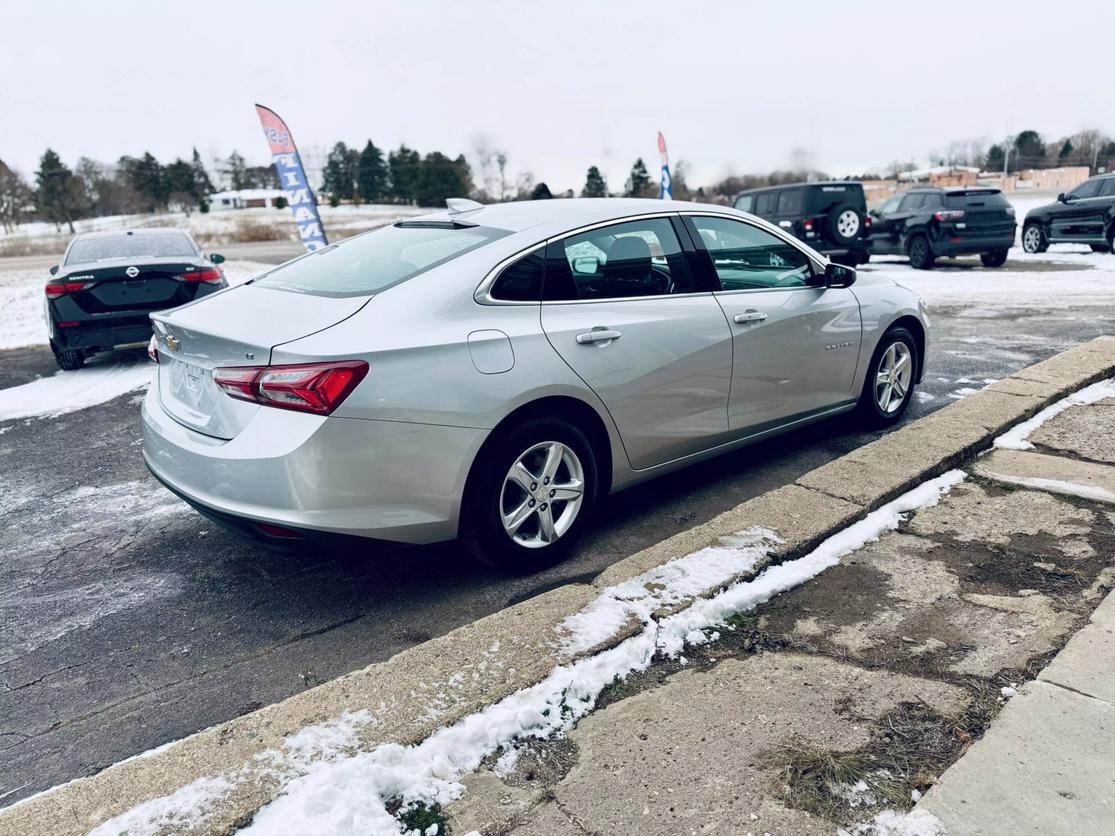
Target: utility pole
point(1006, 158)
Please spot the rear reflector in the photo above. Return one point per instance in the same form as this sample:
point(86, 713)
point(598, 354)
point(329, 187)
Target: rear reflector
point(278, 531)
point(56, 289)
point(950, 215)
point(207, 276)
point(305, 387)
point(153, 350)
point(68, 324)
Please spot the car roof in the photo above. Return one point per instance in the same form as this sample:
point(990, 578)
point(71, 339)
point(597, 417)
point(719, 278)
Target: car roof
point(798, 185)
point(569, 213)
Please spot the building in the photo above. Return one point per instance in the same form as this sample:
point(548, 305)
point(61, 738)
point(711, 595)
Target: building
point(248, 199)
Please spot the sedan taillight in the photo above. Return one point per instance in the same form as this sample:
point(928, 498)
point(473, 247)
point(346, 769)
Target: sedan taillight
point(207, 276)
point(305, 387)
point(56, 290)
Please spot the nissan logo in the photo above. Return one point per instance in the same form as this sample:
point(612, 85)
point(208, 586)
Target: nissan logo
point(132, 272)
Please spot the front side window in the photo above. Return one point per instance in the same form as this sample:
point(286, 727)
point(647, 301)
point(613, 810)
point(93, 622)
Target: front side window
point(637, 258)
point(748, 258)
point(911, 202)
point(1089, 188)
point(890, 206)
point(370, 263)
point(745, 202)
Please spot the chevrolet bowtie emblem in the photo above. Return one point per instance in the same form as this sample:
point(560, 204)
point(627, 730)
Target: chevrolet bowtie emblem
point(172, 343)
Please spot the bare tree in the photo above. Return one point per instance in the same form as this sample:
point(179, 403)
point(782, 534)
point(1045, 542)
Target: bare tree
point(15, 197)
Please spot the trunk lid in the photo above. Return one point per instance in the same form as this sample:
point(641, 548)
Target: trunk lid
point(986, 213)
point(236, 327)
point(130, 286)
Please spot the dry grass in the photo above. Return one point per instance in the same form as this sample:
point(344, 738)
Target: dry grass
point(248, 230)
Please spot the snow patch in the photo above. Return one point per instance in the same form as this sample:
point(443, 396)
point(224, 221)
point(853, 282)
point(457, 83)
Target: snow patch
point(917, 822)
point(1093, 492)
point(65, 392)
point(1017, 437)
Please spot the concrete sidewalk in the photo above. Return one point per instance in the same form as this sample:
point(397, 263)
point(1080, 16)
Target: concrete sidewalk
point(933, 661)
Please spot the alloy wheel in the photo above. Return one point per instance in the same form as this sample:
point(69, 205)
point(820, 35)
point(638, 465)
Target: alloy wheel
point(893, 377)
point(1031, 239)
point(847, 223)
point(542, 494)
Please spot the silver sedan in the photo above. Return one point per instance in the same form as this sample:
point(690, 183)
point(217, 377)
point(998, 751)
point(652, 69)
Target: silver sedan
point(491, 372)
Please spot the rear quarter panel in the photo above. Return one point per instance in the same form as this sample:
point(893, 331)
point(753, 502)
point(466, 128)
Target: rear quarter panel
point(882, 303)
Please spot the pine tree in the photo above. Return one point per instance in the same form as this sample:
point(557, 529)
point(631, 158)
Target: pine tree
point(1065, 153)
point(371, 174)
point(60, 195)
point(594, 184)
point(1030, 149)
point(638, 182)
point(203, 186)
point(179, 183)
point(339, 176)
point(403, 166)
point(440, 177)
point(541, 192)
point(235, 172)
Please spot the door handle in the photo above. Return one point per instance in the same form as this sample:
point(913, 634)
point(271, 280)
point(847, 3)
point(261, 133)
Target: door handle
point(598, 335)
point(749, 316)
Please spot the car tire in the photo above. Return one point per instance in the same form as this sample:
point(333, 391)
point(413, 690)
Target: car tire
point(70, 359)
point(995, 258)
point(920, 253)
point(877, 406)
point(493, 494)
point(844, 224)
point(1033, 239)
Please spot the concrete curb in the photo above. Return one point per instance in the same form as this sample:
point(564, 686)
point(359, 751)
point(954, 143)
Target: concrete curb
point(436, 683)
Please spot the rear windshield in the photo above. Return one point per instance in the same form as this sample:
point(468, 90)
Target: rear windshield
point(370, 263)
point(976, 200)
point(131, 247)
point(824, 197)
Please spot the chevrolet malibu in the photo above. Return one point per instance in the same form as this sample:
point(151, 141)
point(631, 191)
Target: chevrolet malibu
point(490, 373)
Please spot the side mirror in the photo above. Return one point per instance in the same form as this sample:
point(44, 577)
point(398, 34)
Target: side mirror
point(838, 275)
point(54, 270)
point(586, 265)
point(216, 258)
point(1062, 198)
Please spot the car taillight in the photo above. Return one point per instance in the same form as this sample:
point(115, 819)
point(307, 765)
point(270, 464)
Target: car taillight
point(867, 221)
point(950, 214)
point(54, 290)
point(305, 387)
point(153, 350)
point(809, 225)
point(207, 276)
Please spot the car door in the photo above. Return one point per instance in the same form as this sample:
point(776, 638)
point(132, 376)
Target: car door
point(1080, 216)
point(795, 342)
point(908, 207)
point(788, 210)
point(624, 309)
point(882, 226)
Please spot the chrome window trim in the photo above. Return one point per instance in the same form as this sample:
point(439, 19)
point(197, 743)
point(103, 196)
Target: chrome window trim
point(483, 296)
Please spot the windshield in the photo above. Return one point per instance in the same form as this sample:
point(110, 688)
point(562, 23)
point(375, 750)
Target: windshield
point(131, 246)
point(370, 263)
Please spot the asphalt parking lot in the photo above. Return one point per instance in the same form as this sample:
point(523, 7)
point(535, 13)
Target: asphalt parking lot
point(130, 621)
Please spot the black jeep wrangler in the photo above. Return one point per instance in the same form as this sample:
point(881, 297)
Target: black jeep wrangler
point(1086, 215)
point(829, 216)
point(930, 223)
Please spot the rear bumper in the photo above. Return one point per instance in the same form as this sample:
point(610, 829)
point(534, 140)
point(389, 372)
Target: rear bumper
point(957, 245)
point(103, 334)
point(384, 480)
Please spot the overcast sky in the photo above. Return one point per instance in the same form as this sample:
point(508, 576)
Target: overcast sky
point(735, 87)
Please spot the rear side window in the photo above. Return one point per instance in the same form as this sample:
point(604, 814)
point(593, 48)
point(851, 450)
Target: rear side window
point(789, 202)
point(131, 246)
point(764, 203)
point(745, 202)
point(1108, 187)
point(375, 261)
point(636, 258)
point(521, 281)
point(976, 200)
point(748, 258)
